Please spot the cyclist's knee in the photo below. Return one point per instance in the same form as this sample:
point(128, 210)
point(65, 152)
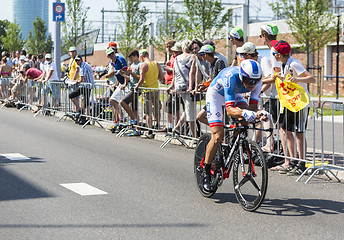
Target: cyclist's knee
point(217, 137)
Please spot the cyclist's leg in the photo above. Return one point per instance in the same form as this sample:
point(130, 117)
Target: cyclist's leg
point(217, 133)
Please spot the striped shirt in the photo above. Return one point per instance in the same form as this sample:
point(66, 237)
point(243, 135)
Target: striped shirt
point(87, 72)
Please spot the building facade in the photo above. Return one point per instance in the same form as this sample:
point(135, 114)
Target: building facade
point(26, 11)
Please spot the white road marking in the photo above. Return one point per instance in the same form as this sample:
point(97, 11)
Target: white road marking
point(83, 189)
point(15, 156)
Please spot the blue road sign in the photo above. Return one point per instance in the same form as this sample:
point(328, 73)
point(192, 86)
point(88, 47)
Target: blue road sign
point(59, 12)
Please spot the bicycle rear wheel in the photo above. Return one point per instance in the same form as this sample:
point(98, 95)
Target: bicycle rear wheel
point(198, 167)
point(250, 181)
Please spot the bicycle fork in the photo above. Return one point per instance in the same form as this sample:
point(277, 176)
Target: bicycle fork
point(249, 159)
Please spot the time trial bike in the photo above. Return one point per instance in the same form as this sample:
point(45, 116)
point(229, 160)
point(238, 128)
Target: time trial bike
point(250, 171)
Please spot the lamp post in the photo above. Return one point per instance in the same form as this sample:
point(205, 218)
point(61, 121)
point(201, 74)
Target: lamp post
point(337, 57)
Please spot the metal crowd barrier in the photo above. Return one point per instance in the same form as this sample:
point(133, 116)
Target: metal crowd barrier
point(177, 111)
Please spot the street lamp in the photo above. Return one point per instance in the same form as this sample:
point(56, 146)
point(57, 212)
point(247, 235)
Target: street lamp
point(337, 55)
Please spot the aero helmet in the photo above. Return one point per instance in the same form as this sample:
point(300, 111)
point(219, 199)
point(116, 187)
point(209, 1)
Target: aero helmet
point(250, 72)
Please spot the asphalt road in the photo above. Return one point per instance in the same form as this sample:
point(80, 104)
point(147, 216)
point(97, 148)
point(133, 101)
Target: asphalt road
point(151, 192)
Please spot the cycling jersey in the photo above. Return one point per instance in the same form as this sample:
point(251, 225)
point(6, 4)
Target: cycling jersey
point(226, 89)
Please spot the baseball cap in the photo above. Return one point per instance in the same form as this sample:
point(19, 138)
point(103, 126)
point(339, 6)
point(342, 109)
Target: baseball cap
point(112, 45)
point(26, 65)
point(236, 32)
point(22, 57)
point(48, 56)
point(206, 49)
point(142, 51)
point(209, 42)
point(281, 46)
point(109, 51)
point(71, 49)
point(271, 29)
point(177, 47)
point(78, 57)
point(248, 47)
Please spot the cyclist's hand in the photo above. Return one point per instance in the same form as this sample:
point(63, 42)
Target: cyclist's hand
point(249, 116)
point(264, 115)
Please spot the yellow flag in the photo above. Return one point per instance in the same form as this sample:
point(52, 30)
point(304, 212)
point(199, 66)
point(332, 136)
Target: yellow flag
point(291, 95)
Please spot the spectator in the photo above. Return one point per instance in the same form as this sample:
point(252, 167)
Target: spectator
point(216, 66)
point(269, 33)
point(150, 73)
point(117, 68)
point(15, 59)
point(181, 84)
point(132, 79)
point(217, 54)
point(73, 69)
point(29, 74)
point(86, 77)
point(30, 60)
point(8, 58)
point(292, 122)
point(114, 47)
point(49, 78)
point(168, 105)
point(199, 68)
point(41, 62)
point(236, 36)
point(248, 51)
point(5, 72)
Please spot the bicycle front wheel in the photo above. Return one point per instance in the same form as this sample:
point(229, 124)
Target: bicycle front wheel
point(250, 178)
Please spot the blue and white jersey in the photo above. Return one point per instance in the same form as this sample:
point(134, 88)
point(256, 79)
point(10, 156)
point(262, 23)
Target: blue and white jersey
point(228, 84)
point(226, 89)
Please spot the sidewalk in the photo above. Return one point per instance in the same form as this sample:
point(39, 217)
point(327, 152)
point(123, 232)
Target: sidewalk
point(336, 119)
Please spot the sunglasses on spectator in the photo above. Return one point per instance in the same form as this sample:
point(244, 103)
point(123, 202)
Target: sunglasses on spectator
point(230, 38)
point(274, 53)
point(201, 54)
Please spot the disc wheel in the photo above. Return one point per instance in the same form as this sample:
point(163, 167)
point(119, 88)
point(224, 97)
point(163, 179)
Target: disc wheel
point(250, 185)
point(198, 169)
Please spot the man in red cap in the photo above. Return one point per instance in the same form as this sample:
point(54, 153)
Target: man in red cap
point(289, 121)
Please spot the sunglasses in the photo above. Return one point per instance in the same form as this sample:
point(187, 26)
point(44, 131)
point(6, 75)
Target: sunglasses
point(230, 38)
point(249, 81)
point(274, 53)
point(201, 54)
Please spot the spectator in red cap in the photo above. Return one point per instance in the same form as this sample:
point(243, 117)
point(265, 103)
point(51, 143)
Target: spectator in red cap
point(289, 121)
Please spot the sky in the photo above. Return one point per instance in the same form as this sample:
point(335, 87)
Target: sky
point(96, 6)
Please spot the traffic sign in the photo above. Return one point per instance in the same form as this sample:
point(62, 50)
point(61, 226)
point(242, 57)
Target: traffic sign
point(58, 12)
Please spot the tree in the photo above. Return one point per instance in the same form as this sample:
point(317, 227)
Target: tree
point(133, 32)
point(3, 26)
point(203, 16)
point(75, 23)
point(13, 40)
point(172, 28)
point(38, 41)
point(311, 22)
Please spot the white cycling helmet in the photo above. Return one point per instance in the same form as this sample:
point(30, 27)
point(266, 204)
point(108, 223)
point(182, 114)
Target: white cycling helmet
point(250, 72)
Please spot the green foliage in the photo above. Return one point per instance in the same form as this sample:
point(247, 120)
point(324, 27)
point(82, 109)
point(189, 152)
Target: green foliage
point(3, 26)
point(173, 28)
point(75, 24)
point(204, 15)
point(310, 20)
point(133, 34)
point(13, 39)
point(38, 41)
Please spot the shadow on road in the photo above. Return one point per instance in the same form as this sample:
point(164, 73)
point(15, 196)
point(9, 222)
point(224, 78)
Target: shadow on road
point(5, 161)
point(13, 187)
point(300, 207)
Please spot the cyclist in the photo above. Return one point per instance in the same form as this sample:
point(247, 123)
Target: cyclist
point(226, 89)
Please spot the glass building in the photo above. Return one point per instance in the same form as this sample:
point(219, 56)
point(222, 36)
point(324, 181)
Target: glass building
point(26, 11)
